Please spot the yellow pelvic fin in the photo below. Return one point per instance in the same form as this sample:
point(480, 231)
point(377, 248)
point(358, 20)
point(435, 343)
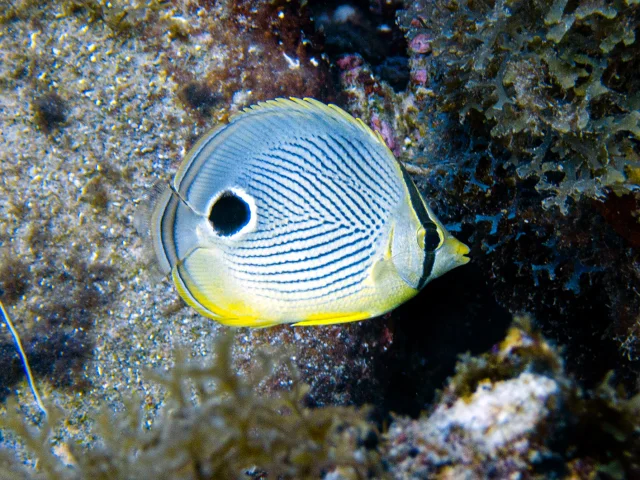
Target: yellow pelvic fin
point(332, 318)
point(191, 294)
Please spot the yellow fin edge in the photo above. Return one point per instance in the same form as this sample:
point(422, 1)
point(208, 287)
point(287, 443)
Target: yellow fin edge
point(214, 312)
point(332, 318)
point(308, 103)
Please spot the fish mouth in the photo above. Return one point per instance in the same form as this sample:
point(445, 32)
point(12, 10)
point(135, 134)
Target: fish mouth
point(459, 250)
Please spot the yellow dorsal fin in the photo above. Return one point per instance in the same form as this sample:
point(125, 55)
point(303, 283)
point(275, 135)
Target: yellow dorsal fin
point(307, 104)
point(379, 136)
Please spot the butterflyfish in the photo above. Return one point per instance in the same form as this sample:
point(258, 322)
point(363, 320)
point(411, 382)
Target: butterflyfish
point(294, 212)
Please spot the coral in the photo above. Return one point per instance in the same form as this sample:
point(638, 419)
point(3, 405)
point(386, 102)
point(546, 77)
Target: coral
point(513, 410)
point(463, 439)
point(580, 267)
point(214, 425)
point(554, 81)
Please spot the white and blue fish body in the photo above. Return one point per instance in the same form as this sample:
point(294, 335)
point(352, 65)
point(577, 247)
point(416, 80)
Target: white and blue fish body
point(295, 212)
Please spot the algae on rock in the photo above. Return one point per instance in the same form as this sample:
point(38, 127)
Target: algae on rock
point(215, 425)
point(555, 81)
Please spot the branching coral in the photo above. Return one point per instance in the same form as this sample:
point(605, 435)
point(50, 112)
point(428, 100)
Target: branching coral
point(555, 81)
point(215, 426)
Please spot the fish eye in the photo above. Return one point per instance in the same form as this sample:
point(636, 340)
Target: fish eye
point(433, 238)
point(229, 214)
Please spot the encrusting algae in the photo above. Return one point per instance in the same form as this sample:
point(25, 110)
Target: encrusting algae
point(514, 410)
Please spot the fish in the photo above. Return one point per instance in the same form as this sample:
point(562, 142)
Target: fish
point(294, 212)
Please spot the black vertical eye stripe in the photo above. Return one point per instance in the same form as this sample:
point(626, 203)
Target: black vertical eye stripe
point(430, 227)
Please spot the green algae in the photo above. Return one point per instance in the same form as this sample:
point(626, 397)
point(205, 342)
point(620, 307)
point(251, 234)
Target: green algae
point(553, 81)
point(215, 425)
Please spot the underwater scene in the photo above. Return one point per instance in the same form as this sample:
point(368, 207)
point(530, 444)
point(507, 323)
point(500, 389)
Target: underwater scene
point(298, 239)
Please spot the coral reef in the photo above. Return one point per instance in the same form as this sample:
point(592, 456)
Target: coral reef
point(515, 118)
point(574, 272)
point(547, 244)
point(554, 81)
point(514, 410)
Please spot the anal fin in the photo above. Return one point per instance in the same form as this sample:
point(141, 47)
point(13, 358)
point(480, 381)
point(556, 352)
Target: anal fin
point(332, 318)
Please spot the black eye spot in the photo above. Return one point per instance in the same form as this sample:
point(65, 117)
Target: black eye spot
point(229, 214)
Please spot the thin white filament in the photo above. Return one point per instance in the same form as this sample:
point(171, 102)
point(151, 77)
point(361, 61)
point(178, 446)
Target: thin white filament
point(23, 355)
